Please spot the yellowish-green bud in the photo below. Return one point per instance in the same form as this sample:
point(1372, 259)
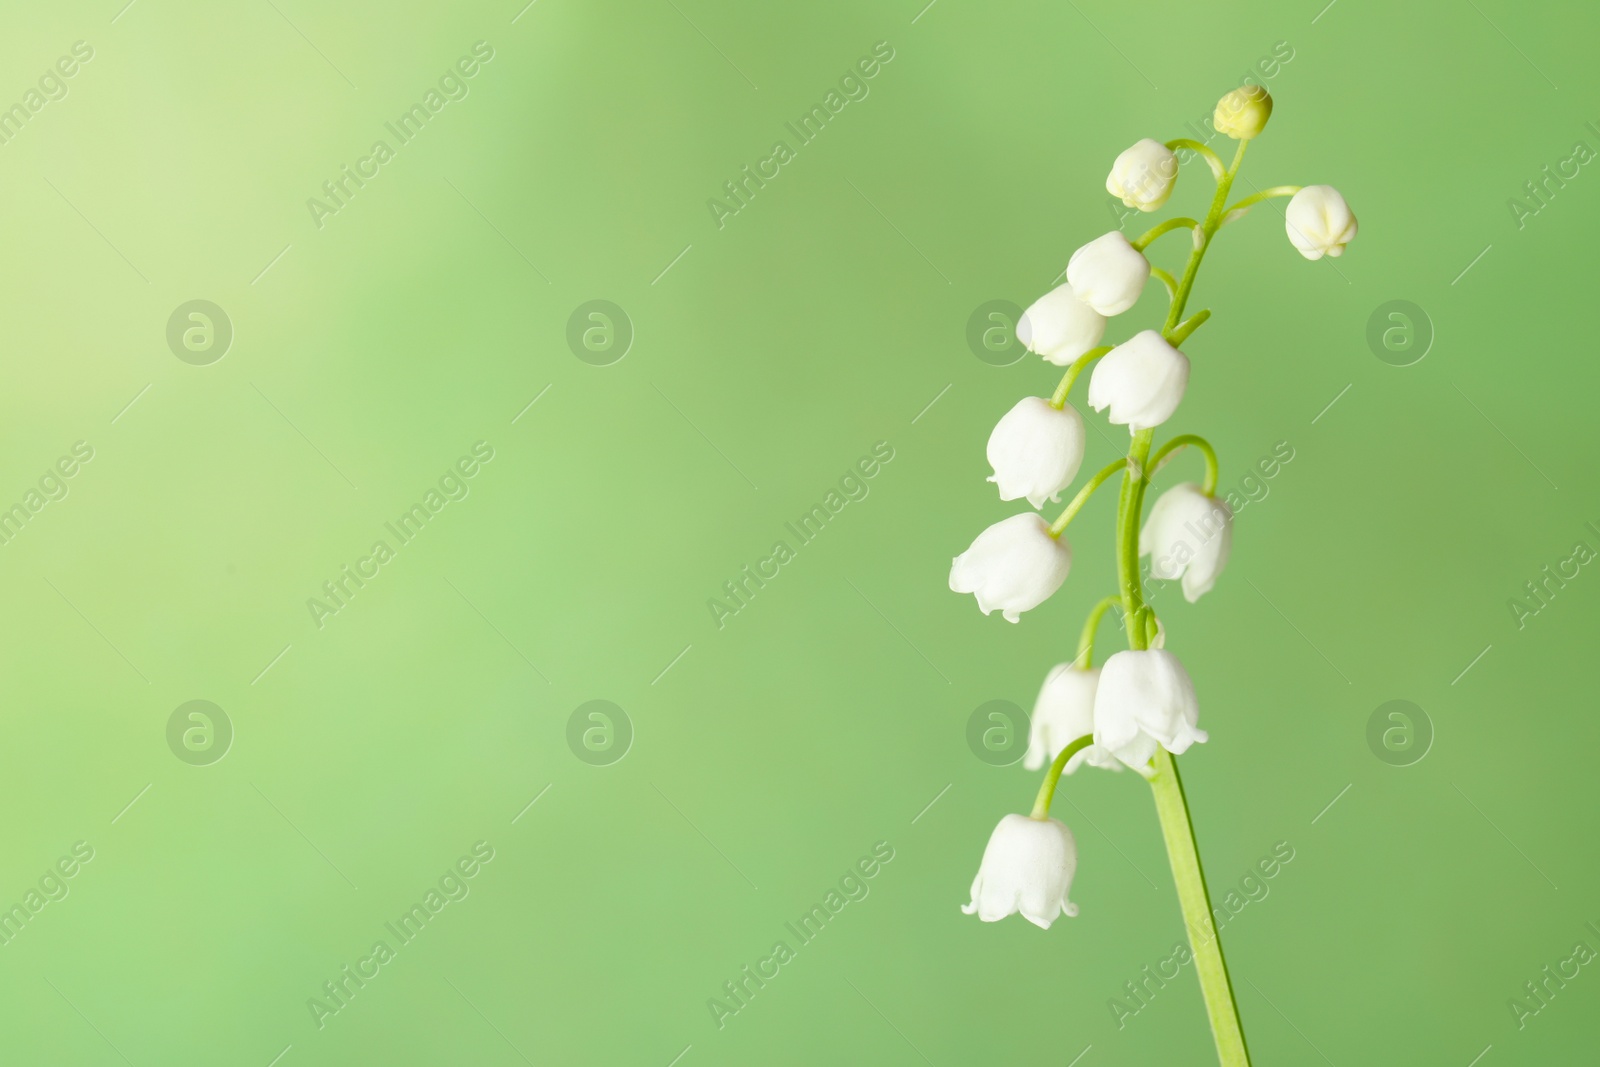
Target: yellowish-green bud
point(1243, 113)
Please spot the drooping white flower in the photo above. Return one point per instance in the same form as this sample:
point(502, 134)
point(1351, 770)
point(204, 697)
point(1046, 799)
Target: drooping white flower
point(1036, 450)
point(1108, 273)
point(1143, 176)
point(1188, 536)
point(1060, 327)
point(1027, 867)
point(1063, 713)
point(1243, 113)
point(1319, 222)
point(1012, 566)
point(1141, 381)
point(1145, 699)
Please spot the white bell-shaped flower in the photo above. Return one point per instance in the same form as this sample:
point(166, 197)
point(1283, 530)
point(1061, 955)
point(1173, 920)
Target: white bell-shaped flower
point(1319, 222)
point(1036, 450)
point(1027, 867)
point(1143, 176)
point(1063, 713)
point(1141, 380)
point(1188, 536)
point(1012, 566)
point(1108, 273)
point(1060, 327)
point(1145, 700)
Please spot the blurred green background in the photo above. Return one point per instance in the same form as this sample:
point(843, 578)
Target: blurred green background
point(366, 751)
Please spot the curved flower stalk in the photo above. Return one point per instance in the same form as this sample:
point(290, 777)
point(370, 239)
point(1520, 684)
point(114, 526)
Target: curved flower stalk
point(1140, 708)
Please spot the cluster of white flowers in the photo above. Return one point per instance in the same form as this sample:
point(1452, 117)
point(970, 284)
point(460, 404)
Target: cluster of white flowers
point(1142, 699)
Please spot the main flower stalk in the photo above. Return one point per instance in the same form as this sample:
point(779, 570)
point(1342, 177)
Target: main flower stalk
point(1139, 709)
point(1177, 829)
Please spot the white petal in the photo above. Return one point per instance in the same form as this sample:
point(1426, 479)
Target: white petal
point(1108, 273)
point(1063, 712)
point(1142, 381)
point(1319, 222)
point(1060, 327)
point(1143, 176)
point(1188, 535)
point(1012, 566)
point(1036, 450)
point(1028, 866)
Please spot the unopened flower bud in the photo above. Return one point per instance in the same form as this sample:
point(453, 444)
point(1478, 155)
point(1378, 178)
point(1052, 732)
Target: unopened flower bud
point(1243, 113)
point(1142, 177)
point(1319, 222)
point(1108, 273)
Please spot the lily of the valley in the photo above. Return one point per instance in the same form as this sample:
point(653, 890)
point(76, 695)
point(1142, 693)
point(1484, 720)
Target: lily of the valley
point(1188, 535)
point(1027, 867)
point(1063, 713)
point(1141, 380)
point(1012, 566)
point(1060, 327)
point(1319, 222)
point(1145, 700)
point(1036, 450)
point(1108, 273)
point(1142, 176)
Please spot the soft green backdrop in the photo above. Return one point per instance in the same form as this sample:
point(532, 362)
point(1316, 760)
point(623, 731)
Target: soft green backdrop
point(769, 355)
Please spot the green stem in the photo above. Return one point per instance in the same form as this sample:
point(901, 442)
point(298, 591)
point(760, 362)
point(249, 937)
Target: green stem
point(1176, 826)
point(1167, 280)
point(1265, 194)
point(1058, 399)
point(1077, 502)
point(1143, 240)
point(1084, 660)
point(1159, 460)
point(1207, 229)
point(1047, 790)
point(1189, 326)
point(1187, 874)
point(1210, 157)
